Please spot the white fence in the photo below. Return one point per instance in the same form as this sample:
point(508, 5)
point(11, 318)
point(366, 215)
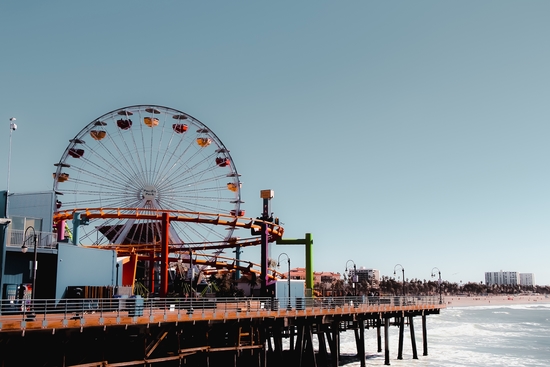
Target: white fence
point(16, 238)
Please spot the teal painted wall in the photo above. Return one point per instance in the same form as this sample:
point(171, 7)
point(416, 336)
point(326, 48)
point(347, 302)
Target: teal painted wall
point(80, 266)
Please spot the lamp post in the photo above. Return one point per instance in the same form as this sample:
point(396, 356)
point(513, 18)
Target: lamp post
point(13, 127)
point(439, 282)
point(24, 249)
point(354, 278)
point(403, 271)
point(191, 276)
point(289, 306)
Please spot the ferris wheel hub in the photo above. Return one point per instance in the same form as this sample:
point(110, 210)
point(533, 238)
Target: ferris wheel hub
point(149, 193)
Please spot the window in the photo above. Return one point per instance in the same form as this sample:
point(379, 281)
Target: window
point(22, 223)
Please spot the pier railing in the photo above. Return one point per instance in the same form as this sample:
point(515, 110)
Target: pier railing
point(43, 313)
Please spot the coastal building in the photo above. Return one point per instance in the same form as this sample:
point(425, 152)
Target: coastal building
point(502, 278)
point(60, 267)
point(527, 279)
point(372, 276)
point(319, 277)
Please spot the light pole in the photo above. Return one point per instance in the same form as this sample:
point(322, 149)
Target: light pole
point(403, 271)
point(354, 278)
point(24, 249)
point(13, 127)
point(191, 276)
point(289, 306)
point(439, 282)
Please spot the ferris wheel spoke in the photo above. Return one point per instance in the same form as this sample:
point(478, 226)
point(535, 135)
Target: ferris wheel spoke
point(158, 165)
point(90, 188)
point(169, 158)
point(97, 180)
point(179, 153)
point(187, 205)
point(204, 232)
point(124, 164)
point(129, 152)
point(176, 170)
point(109, 167)
point(187, 187)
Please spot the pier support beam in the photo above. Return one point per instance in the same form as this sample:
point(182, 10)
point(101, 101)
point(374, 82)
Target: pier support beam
point(379, 334)
point(361, 350)
point(387, 341)
point(424, 335)
point(401, 329)
point(322, 346)
point(335, 344)
point(413, 340)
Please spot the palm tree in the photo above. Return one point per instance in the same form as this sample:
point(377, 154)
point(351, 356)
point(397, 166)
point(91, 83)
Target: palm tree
point(252, 282)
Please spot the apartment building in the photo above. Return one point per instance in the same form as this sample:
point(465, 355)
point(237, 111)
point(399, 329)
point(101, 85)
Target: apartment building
point(527, 279)
point(502, 278)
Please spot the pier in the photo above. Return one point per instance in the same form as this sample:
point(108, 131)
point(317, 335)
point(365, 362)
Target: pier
point(205, 331)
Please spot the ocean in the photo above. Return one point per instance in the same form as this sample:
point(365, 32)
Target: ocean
point(467, 336)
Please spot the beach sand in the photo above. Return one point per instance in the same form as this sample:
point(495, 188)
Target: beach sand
point(502, 300)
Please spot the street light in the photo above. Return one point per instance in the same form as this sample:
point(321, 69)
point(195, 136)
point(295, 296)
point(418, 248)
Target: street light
point(289, 306)
point(403, 271)
point(24, 250)
point(191, 276)
point(439, 281)
point(13, 127)
point(354, 278)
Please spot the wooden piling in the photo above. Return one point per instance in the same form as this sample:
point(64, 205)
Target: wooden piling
point(424, 335)
point(413, 340)
point(336, 344)
point(322, 345)
point(387, 341)
point(378, 334)
point(362, 343)
point(401, 330)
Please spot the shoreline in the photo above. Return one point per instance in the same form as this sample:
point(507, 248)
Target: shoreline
point(472, 301)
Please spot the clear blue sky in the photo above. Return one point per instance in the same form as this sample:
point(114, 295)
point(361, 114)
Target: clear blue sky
point(410, 132)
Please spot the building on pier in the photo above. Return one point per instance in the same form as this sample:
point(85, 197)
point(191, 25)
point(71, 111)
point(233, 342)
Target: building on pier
point(59, 263)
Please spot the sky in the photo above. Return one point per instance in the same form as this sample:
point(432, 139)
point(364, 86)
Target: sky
point(396, 132)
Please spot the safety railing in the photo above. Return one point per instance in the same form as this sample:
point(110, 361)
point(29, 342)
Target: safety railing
point(16, 238)
point(98, 311)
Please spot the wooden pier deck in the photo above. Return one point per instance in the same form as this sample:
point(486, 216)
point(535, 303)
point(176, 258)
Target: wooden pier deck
point(238, 332)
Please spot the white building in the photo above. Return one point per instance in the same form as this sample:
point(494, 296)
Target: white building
point(527, 279)
point(502, 278)
point(372, 275)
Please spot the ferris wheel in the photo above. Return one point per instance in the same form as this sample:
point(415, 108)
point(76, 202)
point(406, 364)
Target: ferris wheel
point(151, 158)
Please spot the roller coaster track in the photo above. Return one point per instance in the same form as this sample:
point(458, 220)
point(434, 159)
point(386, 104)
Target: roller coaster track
point(274, 229)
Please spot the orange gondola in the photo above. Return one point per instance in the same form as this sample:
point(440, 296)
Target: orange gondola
point(204, 142)
point(98, 134)
point(151, 121)
point(232, 187)
point(62, 177)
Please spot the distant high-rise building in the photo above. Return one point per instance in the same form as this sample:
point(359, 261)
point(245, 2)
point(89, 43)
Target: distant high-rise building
point(527, 279)
point(502, 278)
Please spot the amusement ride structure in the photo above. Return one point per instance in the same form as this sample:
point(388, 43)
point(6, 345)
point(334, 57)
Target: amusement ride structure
point(157, 185)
